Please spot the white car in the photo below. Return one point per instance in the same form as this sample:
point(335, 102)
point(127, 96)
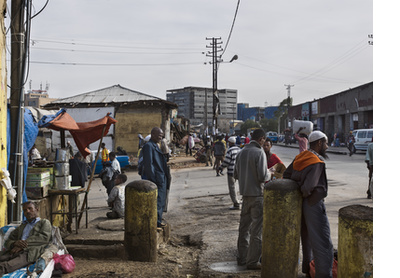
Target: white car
point(362, 137)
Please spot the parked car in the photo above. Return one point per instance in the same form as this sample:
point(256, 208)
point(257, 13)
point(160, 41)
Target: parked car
point(362, 137)
point(273, 136)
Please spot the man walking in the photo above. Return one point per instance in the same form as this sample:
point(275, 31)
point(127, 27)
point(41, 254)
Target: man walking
point(155, 169)
point(229, 163)
point(309, 171)
point(251, 171)
point(219, 153)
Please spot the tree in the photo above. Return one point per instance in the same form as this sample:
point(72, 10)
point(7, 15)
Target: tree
point(281, 113)
point(248, 124)
point(269, 124)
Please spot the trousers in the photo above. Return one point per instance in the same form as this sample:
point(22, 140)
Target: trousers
point(232, 190)
point(316, 239)
point(250, 230)
point(10, 263)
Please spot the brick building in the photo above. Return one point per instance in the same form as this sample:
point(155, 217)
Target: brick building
point(339, 113)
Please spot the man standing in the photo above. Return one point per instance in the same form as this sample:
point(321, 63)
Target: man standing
point(104, 154)
point(369, 159)
point(350, 143)
point(219, 153)
point(251, 171)
point(309, 171)
point(27, 242)
point(155, 169)
point(115, 163)
point(229, 163)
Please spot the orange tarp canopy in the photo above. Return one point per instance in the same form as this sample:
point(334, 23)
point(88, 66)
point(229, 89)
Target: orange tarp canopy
point(83, 133)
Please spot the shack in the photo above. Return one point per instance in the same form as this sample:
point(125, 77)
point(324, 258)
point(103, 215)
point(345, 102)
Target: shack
point(135, 112)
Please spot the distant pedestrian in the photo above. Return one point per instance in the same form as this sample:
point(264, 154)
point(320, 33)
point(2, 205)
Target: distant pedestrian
point(104, 154)
point(309, 171)
point(302, 139)
point(114, 162)
point(369, 158)
point(251, 171)
point(189, 145)
point(350, 143)
point(229, 163)
point(208, 147)
point(70, 149)
point(219, 154)
point(155, 170)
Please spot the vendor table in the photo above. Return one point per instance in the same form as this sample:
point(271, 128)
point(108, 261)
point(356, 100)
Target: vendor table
point(72, 211)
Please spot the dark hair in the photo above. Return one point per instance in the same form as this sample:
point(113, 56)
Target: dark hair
point(257, 134)
point(111, 154)
point(31, 202)
point(268, 140)
point(122, 177)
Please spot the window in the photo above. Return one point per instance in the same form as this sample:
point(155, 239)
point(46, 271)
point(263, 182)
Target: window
point(362, 134)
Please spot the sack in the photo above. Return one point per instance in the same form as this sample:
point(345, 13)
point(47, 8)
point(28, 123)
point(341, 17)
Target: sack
point(65, 263)
point(334, 269)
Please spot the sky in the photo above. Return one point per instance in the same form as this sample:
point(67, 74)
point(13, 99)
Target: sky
point(317, 47)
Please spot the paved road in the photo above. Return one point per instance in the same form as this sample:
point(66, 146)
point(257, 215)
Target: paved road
point(347, 178)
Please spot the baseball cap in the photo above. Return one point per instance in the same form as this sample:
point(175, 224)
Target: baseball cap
point(316, 135)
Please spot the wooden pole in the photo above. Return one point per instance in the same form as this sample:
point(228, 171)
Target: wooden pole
point(91, 176)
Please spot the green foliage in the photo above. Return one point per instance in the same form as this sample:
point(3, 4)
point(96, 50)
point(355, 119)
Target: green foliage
point(248, 124)
point(269, 124)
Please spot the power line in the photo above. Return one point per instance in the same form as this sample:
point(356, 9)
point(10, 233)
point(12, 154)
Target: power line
point(76, 43)
point(233, 24)
point(113, 65)
point(113, 52)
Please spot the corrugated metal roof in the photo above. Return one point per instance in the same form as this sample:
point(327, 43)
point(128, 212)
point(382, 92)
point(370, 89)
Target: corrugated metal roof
point(113, 94)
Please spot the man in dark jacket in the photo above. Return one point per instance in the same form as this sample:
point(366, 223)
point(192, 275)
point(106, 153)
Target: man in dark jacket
point(155, 169)
point(308, 170)
point(27, 242)
point(219, 154)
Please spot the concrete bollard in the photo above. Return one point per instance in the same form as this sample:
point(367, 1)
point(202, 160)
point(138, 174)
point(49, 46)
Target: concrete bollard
point(281, 229)
point(141, 221)
point(355, 248)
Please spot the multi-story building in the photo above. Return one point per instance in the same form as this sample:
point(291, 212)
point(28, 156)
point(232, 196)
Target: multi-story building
point(339, 113)
point(37, 98)
point(255, 113)
point(196, 104)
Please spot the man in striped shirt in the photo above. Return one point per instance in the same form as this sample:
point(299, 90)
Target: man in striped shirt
point(229, 163)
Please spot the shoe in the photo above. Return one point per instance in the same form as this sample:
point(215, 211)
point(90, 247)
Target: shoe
point(162, 225)
point(221, 173)
point(234, 208)
point(218, 175)
point(256, 266)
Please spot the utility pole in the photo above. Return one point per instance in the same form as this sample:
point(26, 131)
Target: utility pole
point(215, 45)
point(18, 59)
point(288, 103)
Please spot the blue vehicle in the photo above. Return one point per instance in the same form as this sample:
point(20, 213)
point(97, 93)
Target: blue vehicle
point(273, 136)
point(122, 159)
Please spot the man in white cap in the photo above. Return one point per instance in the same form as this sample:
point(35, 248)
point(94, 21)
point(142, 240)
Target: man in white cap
point(229, 163)
point(308, 170)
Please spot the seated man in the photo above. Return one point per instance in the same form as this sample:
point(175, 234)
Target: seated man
point(116, 199)
point(27, 242)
